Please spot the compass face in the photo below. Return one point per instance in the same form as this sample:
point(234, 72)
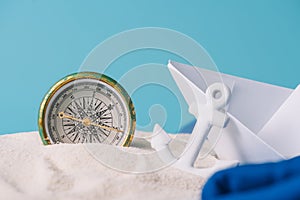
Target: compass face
point(87, 108)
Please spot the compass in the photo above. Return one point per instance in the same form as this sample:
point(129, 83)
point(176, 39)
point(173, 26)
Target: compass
point(87, 107)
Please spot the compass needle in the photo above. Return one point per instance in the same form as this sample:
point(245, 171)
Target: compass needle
point(87, 122)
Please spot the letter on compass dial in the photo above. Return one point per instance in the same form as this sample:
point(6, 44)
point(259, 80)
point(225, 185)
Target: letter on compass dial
point(87, 119)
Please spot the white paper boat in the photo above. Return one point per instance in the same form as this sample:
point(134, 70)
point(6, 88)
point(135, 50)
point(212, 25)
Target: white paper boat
point(264, 121)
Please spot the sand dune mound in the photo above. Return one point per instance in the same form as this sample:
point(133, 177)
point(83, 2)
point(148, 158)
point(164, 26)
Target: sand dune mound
point(30, 170)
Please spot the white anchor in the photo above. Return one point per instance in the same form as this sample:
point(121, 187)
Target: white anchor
point(212, 114)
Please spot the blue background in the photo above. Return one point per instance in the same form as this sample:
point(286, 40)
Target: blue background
point(42, 41)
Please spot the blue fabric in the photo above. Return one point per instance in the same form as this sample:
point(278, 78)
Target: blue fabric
point(252, 182)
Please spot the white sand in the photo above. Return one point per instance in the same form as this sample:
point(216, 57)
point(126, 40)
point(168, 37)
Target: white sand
point(30, 170)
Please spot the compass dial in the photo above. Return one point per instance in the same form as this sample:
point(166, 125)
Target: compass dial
point(87, 107)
